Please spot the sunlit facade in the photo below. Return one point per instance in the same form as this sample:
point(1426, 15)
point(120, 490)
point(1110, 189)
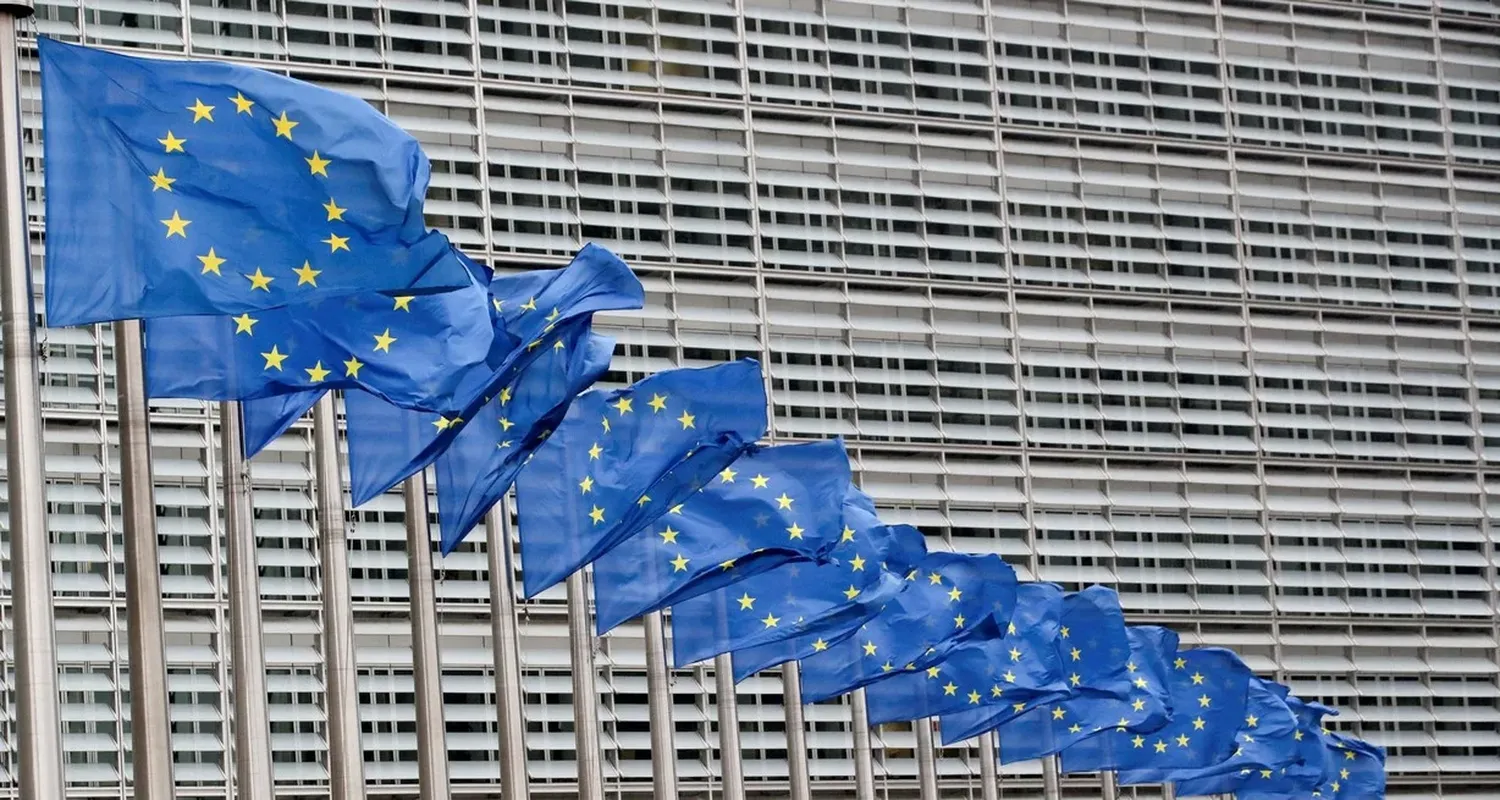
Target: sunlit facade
point(1198, 300)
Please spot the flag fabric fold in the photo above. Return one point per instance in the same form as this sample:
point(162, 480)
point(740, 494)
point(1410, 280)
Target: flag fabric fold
point(772, 506)
point(1308, 771)
point(1266, 739)
point(182, 188)
point(1356, 768)
point(621, 459)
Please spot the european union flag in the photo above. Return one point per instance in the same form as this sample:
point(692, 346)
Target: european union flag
point(798, 598)
point(1153, 654)
point(816, 596)
point(1266, 739)
point(267, 418)
point(184, 188)
point(411, 350)
point(1093, 652)
point(1298, 779)
point(772, 506)
point(387, 444)
point(949, 600)
point(1357, 769)
point(485, 455)
point(622, 459)
point(1014, 669)
point(1209, 690)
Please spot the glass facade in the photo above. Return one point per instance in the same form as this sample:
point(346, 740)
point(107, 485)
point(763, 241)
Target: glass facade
point(1193, 299)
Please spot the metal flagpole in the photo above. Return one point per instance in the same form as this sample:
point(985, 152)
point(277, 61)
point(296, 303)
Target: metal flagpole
point(1169, 791)
point(585, 692)
point(730, 760)
point(659, 711)
point(1051, 779)
point(508, 692)
point(252, 721)
point(1108, 788)
point(427, 673)
point(346, 755)
point(927, 779)
point(150, 724)
point(989, 774)
point(864, 759)
point(39, 739)
point(796, 732)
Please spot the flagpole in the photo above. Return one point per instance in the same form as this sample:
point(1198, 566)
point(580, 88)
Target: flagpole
point(1169, 791)
point(989, 775)
point(927, 779)
point(659, 711)
point(796, 732)
point(585, 692)
point(1108, 789)
point(427, 673)
point(507, 641)
point(150, 723)
point(864, 759)
point(731, 765)
point(39, 718)
point(346, 754)
point(252, 721)
point(1051, 779)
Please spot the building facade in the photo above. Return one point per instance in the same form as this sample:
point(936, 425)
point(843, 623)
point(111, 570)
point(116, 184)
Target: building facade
point(1194, 299)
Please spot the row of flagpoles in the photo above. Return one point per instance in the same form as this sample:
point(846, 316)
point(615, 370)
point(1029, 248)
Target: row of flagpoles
point(199, 350)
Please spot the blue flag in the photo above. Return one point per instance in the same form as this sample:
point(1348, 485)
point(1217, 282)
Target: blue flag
point(949, 600)
point(622, 459)
point(1356, 769)
point(1011, 670)
point(814, 594)
point(183, 188)
point(387, 444)
point(1299, 779)
point(1266, 739)
point(1094, 654)
point(409, 349)
point(772, 506)
point(1148, 707)
point(487, 453)
point(1209, 690)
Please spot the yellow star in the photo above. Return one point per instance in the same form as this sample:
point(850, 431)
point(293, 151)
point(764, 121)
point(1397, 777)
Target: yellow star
point(1198, 724)
point(506, 424)
point(595, 451)
point(586, 485)
point(335, 214)
point(1010, 629)
point(954, 594)
point(644, 499)
point(1161, 747)
point(1075, 728)
point(211, 263)
point(1138, 705)
point(605, 421)
point(996, 691)
point(1064, 631)
point(1140, 683)
point(623, 406)
point(869, 648)
point(1139, 741)
point(687, 420)
point(260, 280)
point(760, 481)
point(242, 103)
point(200, 111)
point(658, 403)
point(505, 395)
point(783, 502)
point(529, 305)
point(848, 534)
point(284, 126)
point(1058, 713)
point(161, 181)
point(383, 341)
point(1197, 679)
point(727, 476)
point(1265, 773)
point(668, 536)
point(887, 667)
point(1182, 740)
point(950, 690)
point(1252, 721)
point(819, 646)
point(747, 602)
point(1075, 679)
point(1130, 666)
point(1076, 654)
point(1204, 701)
point(351, 367)
point(316, 373)
point(306, 274)
point(403, 303)
point(679, 564)
point(172, 143)
point(274, 358)
point(1296, 736)
point(176, 226)
point(1344, 773)
point(318, 164)
point(857, 563)
point(554, 315)
point(336, 243)
point(771, 620)
point(958, 621)
point(1348, 755)
point(1010, 677)
point(244, 324)
point(1018, 707)
point(934, 579)
point(1180, 663)
point(442, 423)
point(794, 532)
point(1015, 655)
point(727, 564)
point(932, 672)
point(597, 515)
